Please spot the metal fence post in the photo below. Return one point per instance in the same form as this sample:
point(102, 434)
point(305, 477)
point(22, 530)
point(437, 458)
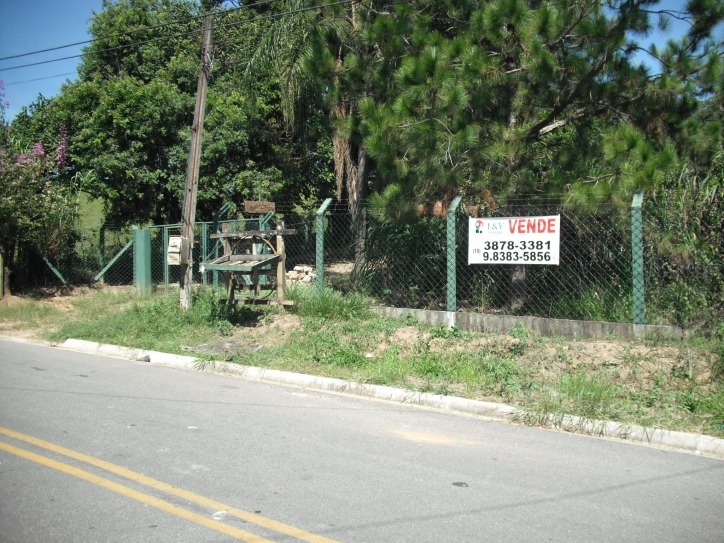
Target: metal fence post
point(102, 246)
point(637, 261)
point(451, 260)
point(142, 261)
point(320, 244)
point(164, 258)
point(55, 271)
point(216, 256)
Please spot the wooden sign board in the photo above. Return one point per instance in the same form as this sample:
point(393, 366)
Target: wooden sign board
point(259, 207)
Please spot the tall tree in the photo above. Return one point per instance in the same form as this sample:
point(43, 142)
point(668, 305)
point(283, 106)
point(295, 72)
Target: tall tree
point(319, 56)
point(130, 114)
point(516, 98)
point(322, 55)
point(510, 95)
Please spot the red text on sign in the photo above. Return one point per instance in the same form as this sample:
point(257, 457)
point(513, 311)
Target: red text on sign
point(532, 226)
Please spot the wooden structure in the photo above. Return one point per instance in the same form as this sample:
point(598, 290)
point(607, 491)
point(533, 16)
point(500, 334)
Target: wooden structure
point(254, 261)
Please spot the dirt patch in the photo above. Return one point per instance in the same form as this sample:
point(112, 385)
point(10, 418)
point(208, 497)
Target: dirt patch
point(339, 268)
point(271, 331)
point(11, 301)
point(408, 336)
point(14, 329)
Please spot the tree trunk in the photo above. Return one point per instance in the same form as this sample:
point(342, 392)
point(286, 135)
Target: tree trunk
point(518, 287)
point(357, 196)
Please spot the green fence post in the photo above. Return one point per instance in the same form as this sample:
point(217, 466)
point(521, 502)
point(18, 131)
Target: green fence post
point(452, 259)
point(216, 256)
point(142, 261)
point(164, 257)
point(637, 261)
point(102, 246)
point(320, 244)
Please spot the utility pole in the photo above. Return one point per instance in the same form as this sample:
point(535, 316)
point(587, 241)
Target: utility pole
point(192, 170)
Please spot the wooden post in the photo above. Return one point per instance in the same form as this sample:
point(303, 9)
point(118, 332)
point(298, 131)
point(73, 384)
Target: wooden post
point(2, 277)
point(192, 171)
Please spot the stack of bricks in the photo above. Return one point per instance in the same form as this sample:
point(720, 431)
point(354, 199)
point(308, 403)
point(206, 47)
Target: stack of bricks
point(301, 274)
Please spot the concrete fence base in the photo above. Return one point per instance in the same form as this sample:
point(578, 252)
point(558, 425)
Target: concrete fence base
point(501, 324)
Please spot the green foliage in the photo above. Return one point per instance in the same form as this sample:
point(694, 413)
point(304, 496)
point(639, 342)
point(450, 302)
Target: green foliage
point(127, 139)
point(718, 351)
point(446, 333)
point(129, 116)
point(587, 397)
point(156, 323)
point(501, 376)
point(684, 246)
point(603, 303)
point(523, 336)
point(38, 208)
point(328, 304)
point(29, 313)
point(527, 108)
point(405, 260)
point(415, 102)
point(326, 349)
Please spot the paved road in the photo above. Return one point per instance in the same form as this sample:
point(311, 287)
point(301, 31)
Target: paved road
point(101, 449)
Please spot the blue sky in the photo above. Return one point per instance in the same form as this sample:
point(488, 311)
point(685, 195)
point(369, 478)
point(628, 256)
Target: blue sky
point(31, 25)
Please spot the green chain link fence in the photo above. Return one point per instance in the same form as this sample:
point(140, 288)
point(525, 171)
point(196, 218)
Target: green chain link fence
point(628, 264)
point(615, 265)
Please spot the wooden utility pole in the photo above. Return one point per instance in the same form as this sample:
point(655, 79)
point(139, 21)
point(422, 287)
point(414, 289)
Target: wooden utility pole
point(192, 170)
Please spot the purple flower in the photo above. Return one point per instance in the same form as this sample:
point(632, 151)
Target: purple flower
point(38, 150)
point(61, 151)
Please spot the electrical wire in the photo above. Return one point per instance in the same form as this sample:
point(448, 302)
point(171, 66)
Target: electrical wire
point(131, 32)
point(38, 79)
point(183, 34)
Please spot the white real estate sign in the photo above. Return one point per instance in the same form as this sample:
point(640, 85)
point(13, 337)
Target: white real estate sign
point(515, 240)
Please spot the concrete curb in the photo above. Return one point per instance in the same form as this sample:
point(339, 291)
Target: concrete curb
point(678, 441)
point(141, 355)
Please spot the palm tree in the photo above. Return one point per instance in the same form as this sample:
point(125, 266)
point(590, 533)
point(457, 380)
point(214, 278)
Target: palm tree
point(306, 49)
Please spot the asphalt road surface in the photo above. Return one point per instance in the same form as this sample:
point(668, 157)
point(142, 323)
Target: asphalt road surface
point(101, 449)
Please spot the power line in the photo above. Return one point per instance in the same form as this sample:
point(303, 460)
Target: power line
point(162, 38)
point(20, 55)
point(182, 34)
point(131, 32)
point(38, 79)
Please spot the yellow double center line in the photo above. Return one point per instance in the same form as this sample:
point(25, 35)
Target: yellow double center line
point(156, 485)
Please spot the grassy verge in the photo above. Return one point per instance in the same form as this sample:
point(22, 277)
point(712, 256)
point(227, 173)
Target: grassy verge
point(678, 386)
